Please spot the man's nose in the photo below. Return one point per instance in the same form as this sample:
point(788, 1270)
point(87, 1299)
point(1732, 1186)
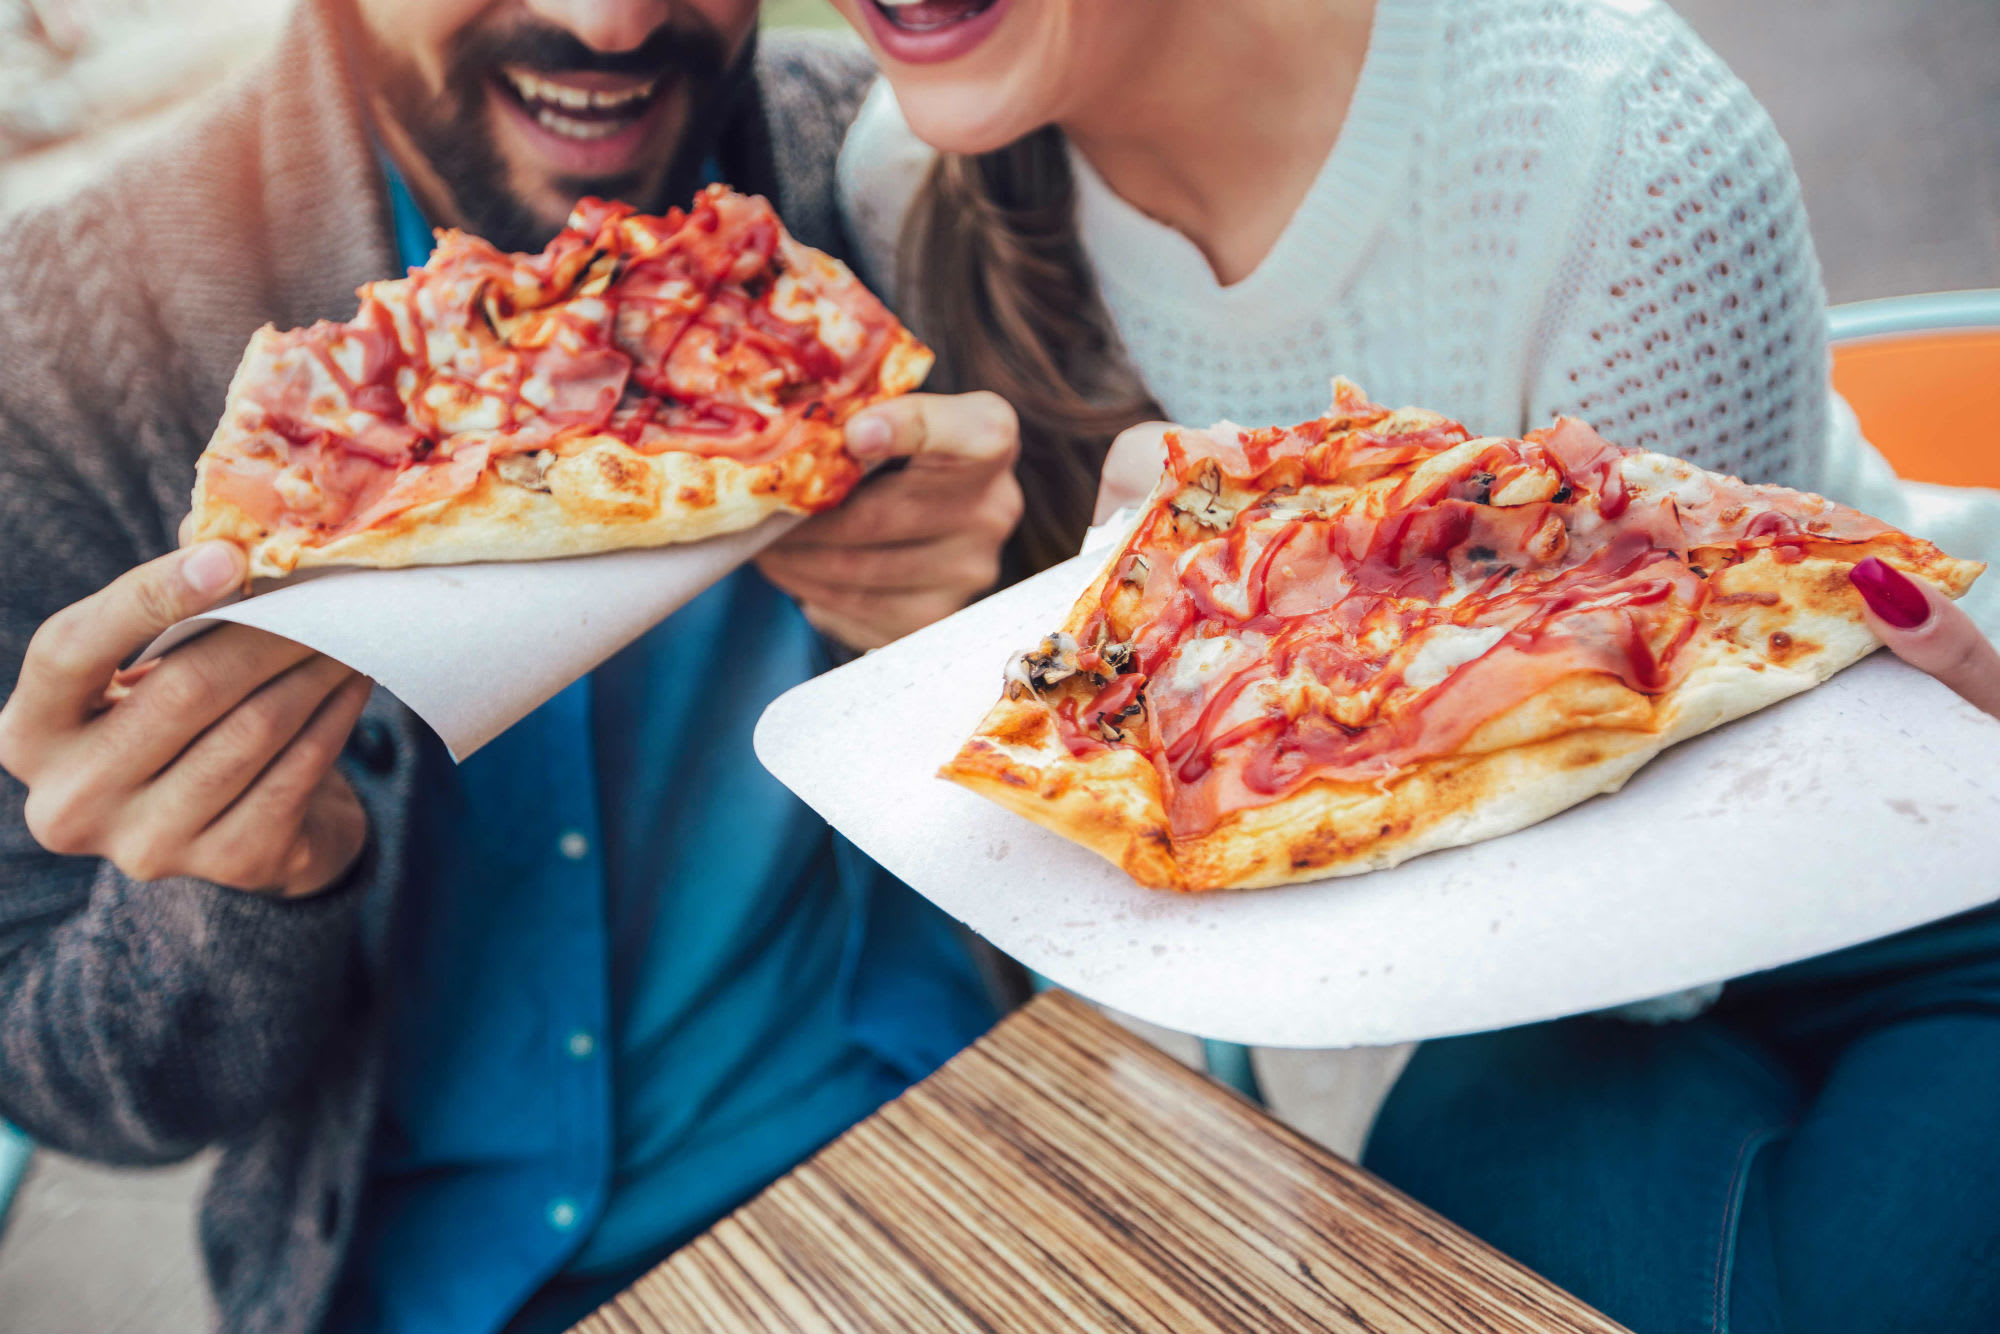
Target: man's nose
point(605, 25)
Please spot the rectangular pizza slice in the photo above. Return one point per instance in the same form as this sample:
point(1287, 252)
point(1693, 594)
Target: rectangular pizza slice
point(643, 380)
point(1329, 648)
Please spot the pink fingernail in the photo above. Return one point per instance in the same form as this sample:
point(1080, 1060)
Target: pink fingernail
point(1891, 594)
point(869, 437)
point(211, 567)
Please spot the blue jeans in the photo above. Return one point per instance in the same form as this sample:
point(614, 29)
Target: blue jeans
point(1819, 1152)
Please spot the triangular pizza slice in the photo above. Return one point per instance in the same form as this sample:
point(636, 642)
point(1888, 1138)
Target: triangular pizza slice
point(1330, 648)
point(643, 380)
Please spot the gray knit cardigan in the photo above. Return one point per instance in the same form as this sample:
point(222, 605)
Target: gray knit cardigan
point(140, 1022)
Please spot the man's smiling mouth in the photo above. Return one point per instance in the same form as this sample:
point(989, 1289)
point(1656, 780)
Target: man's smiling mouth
point(576, 111)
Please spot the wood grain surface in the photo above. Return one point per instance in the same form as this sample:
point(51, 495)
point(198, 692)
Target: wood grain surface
point(1062, 1175)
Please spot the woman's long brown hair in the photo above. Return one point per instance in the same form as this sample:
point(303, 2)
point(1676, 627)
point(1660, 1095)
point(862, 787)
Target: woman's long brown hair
point(1005, 296)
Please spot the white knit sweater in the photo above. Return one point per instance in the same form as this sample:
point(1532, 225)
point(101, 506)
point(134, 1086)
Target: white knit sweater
point(1534, 207)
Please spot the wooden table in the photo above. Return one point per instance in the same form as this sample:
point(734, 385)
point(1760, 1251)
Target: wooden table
point(1060, 1174)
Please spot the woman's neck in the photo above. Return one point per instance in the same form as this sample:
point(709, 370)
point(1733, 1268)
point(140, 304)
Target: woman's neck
point(1225, 112)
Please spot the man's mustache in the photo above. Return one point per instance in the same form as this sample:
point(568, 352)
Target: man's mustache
point(683, 48)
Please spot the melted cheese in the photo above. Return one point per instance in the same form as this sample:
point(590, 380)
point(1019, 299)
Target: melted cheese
point(1446, 648)
point(1198, 662)
point(1687, 484)
point(799, 303)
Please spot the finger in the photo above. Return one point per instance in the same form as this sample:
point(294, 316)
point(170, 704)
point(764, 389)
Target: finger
point(956, 561)
point(333, 832)
point(1929, 631)
point(71, 658)
point(870, 622)
point(265, 840)
point(192, 688)
point(844, 629)
point(223, 761)
point(1132, 468)
point(977, 430)
point(912, 506)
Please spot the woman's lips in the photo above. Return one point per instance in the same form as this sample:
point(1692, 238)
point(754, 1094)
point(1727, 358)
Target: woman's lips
point(933, 30)
point(587, 125)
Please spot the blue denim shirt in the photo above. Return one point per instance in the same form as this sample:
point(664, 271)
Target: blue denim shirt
point(635, 979)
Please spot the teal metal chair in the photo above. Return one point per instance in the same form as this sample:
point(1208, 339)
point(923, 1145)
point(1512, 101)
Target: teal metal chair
point(15, 1150)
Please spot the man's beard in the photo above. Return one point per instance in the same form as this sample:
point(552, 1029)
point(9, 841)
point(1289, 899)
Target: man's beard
point(454, 131)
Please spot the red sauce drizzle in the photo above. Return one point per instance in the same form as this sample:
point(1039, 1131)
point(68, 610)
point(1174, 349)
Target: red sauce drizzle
point(602, 381)
point(1609, 597)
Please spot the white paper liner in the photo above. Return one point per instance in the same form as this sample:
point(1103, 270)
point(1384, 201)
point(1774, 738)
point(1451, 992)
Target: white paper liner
point(1863, 807)
point(473, 649)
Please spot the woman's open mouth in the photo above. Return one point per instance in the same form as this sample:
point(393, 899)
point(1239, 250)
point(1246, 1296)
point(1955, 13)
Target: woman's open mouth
point(585, 123)
point(925, 31)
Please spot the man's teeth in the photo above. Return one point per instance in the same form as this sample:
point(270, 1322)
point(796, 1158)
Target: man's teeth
point(533, 89)
point(576, 129)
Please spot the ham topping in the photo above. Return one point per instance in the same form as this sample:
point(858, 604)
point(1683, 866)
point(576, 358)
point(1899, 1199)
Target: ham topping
point(1350, 630)
point(660, 330)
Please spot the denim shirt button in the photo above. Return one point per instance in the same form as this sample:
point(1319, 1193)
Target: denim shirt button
point(372, 747)
point(562, 1215)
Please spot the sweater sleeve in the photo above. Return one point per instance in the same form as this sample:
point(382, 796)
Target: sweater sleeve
point(138, 1021)
point(882, 166)
point(812, 83)
point(1689, 316)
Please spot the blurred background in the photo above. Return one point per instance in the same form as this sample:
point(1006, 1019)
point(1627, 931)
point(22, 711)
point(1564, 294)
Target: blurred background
point(1892, 110)
point(1893, 116)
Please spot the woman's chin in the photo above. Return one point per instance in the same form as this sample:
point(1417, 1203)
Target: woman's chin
point(962, 120)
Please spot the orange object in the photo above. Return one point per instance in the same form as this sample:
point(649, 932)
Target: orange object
point(1929, 400)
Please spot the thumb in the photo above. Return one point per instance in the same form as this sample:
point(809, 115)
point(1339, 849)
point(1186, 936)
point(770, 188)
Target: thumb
point(1929, 631)
point(952, 429)
point(74, 654)
point(1132, 467)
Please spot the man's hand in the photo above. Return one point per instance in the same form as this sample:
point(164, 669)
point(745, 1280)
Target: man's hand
point(913, 546)
point(215, 761)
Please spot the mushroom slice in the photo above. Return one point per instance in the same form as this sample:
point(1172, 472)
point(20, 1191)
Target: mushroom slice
point(499, 313)
point(1526, 487)
point(1110, 725)
point(528, 470)
point(1036, 670)
point(599, 274)
point(1201, 498)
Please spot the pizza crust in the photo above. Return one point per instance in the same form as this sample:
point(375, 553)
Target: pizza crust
point(602, 495)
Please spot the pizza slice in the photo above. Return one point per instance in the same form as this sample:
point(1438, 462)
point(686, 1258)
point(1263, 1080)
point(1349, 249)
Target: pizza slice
point(1329, 648)
point(643, 380)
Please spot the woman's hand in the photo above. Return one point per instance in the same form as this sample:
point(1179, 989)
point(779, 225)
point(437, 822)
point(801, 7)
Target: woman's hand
point(912, 546)
point(215, 761)
point(1132, 468)
point(1926, 629)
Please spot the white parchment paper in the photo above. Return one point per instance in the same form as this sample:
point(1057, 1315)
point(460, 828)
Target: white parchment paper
point(473, 649)
point(1864, 807)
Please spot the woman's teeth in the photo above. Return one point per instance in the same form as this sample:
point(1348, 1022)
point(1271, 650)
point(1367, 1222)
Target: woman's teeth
point(578, 113)
point(928, 15)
